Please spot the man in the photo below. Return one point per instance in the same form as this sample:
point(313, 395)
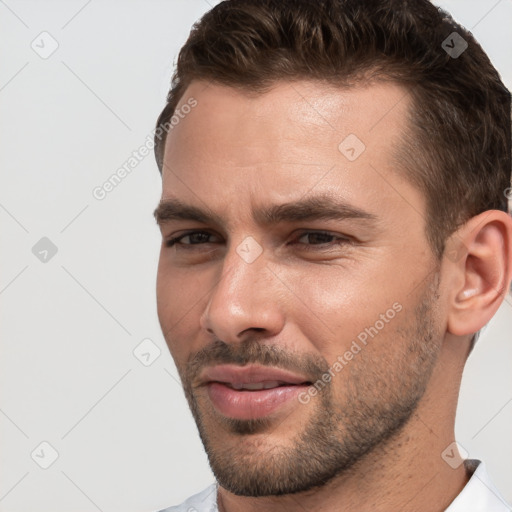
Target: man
point(335, 235)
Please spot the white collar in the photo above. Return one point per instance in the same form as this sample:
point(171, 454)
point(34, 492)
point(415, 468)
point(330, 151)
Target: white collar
point(479, 494)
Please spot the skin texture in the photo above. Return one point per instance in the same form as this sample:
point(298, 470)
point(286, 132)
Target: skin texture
point(373, 438)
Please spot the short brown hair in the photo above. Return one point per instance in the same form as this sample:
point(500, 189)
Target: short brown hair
point(458, 150)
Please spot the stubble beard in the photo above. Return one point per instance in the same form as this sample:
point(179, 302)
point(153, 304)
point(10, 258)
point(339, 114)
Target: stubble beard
point(379, 399)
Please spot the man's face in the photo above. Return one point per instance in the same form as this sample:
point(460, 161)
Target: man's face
point(337, 309)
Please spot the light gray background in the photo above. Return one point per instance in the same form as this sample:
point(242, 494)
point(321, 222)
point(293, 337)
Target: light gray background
point(68, 376)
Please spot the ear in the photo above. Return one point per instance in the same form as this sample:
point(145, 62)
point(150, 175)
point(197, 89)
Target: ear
point(478, 256)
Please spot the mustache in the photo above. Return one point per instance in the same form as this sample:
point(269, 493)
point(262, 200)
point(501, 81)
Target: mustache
point(256, 352)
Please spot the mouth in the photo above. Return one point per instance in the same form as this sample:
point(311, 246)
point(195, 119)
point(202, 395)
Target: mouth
point(250, 392)
point(257, 386)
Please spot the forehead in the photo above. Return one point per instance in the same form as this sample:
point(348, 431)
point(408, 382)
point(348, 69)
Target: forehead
point(295, 137)
point(299, 110)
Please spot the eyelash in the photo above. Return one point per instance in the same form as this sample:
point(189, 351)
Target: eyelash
point(176, 240)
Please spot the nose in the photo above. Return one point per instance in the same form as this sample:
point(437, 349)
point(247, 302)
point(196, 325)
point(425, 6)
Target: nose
point(244, 298)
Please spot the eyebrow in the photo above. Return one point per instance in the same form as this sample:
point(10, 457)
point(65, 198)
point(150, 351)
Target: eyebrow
point(320, 207)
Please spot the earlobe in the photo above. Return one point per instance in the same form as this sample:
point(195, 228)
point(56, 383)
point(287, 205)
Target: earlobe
point(482, 272)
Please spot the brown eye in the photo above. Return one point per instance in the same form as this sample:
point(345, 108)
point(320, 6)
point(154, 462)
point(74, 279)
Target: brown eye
point(321, 239)
point(196, 238)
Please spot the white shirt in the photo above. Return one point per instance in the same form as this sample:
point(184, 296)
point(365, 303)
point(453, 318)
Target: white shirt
point(478, 495)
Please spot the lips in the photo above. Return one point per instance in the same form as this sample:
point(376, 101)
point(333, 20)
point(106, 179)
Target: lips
point(251, 374)
point(249, 392)
point(256, 386)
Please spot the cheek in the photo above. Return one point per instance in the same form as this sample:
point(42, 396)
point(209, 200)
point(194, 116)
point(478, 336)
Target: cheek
point(170, 306)
point(164, 294)
point(339, 307)
point(173, 289)
point(179, 308)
